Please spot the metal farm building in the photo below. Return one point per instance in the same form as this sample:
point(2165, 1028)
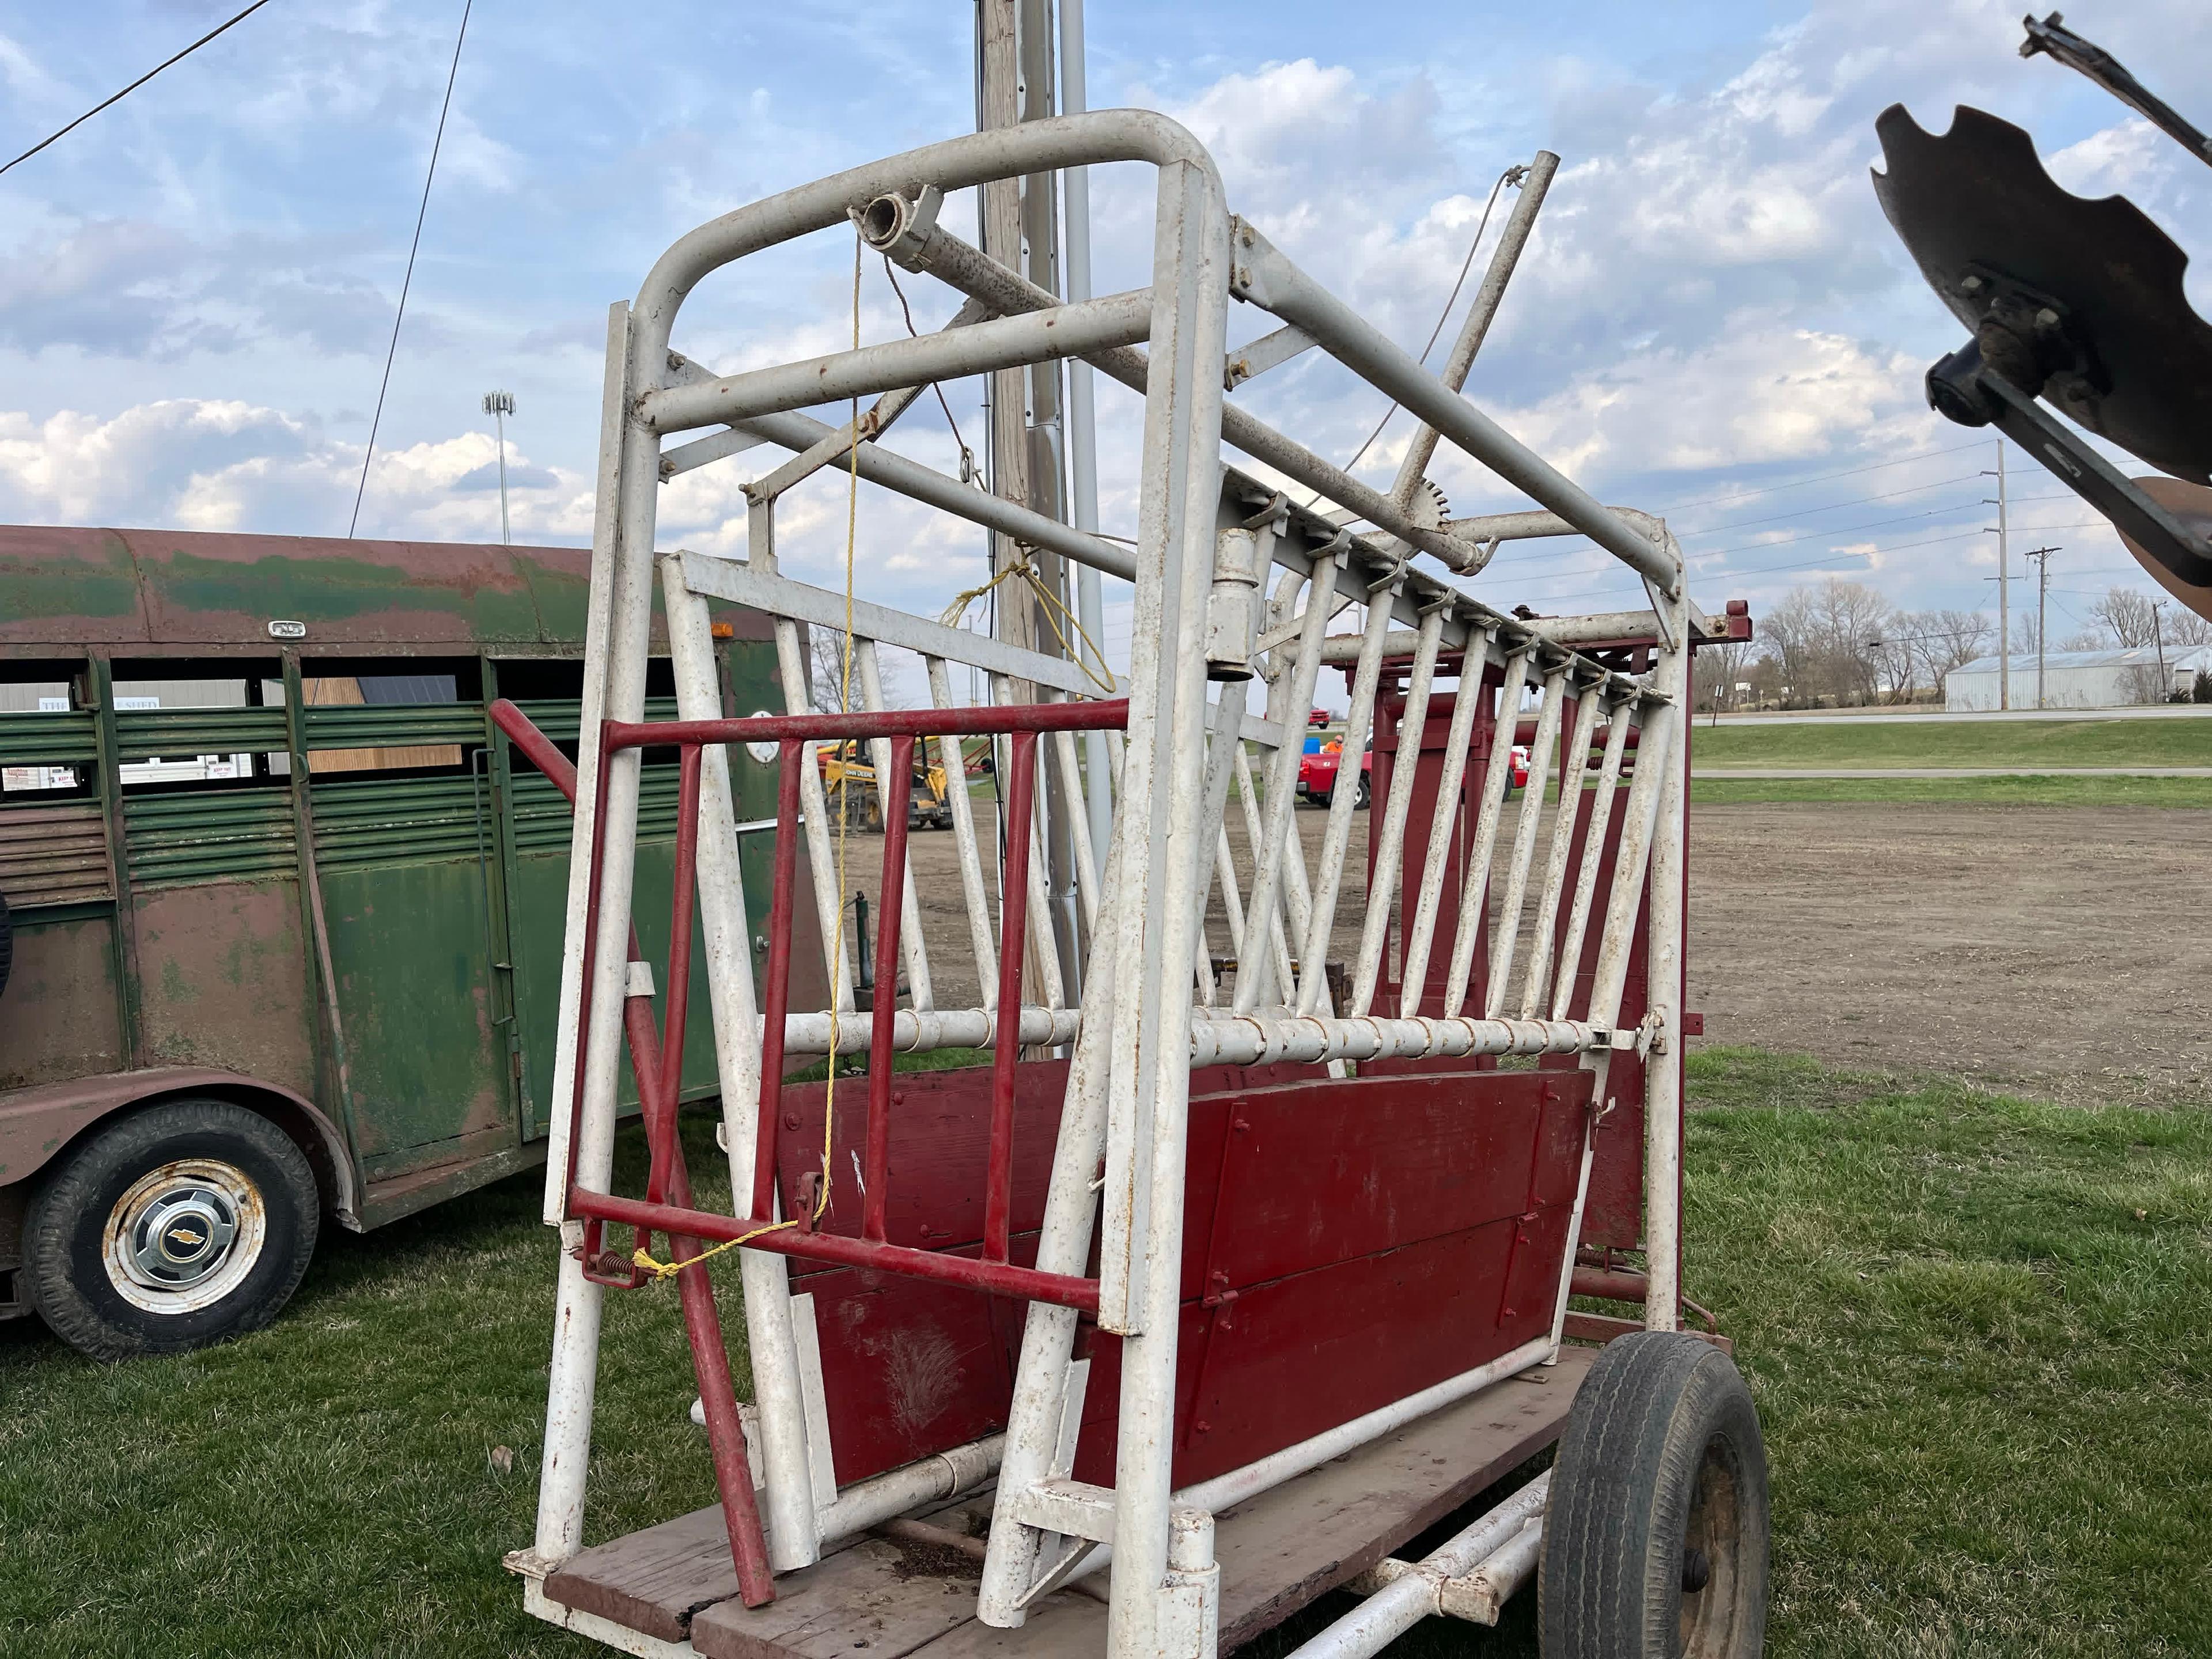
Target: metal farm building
point(2112, 678)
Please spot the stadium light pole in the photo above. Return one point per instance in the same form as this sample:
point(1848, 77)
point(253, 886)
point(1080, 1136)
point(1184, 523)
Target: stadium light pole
point(499, 405)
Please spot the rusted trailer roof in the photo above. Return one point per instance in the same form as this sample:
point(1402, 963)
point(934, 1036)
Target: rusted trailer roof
point(155, 590)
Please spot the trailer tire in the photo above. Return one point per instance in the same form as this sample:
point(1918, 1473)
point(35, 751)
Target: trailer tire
point(176, 1227)
point(1656, 1536)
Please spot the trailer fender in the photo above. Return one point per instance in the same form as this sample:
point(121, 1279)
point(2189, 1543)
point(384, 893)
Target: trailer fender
point(38, 1124)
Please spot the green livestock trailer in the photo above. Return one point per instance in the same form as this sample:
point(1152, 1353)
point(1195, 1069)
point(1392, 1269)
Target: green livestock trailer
point(280, 909)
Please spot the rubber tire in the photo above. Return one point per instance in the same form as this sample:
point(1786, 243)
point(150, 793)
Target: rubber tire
point(64, 1273)
point(1660, 1414)
point(1361, 795)
point(6, 942)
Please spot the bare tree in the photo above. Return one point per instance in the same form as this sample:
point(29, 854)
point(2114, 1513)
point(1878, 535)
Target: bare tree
point(1825, 642)
point(1719, 669)
point(1948, 640)
point(1849, 618)
point(825, 666)
point(2127, 615)
point(2179, 626)
point(1790, 632)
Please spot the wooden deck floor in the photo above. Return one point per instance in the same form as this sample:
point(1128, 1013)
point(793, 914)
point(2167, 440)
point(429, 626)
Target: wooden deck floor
point(878, 1599)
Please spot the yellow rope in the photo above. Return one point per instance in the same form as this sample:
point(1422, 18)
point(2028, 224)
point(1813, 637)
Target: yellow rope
point(669, 1269)
point(640, 1257)
point(1050, 608)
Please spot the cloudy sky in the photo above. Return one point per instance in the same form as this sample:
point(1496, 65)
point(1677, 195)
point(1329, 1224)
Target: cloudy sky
point(197, 288)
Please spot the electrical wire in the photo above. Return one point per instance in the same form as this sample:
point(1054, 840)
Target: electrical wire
point(135, 85)
point(407, 281)
point(1436, 333)
point(1821, 478)
point(967, 455)
point(1800, 512)
point(1806, 564)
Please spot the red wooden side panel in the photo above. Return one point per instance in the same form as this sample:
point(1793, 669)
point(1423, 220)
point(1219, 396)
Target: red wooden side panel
point(908, 1366)
point(1614, 1212)
point(911, 1368)
point(1429, 756)
point(1372, 1237)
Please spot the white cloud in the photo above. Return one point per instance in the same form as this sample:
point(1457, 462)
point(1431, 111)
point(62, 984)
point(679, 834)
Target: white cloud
point(225, 464)
point(1758, 395)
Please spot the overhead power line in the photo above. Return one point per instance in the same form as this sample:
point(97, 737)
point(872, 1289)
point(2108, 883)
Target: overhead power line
point(135, 85)
point(1800, 564)
point(408, 281)
point(1821, 478)
point(1808, 512)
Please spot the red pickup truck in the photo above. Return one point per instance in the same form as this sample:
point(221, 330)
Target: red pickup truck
point(1317, 771)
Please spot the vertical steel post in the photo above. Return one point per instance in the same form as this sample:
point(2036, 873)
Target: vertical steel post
point(894, 793)
point(1663, 1097)
point(1082, 421)
point(1148, 1105)
point(572, 1376)
point(740, 1060)
point(1013, 922)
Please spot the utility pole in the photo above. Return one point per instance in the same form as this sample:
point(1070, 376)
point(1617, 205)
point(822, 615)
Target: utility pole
point(1021, 231)
point(499, 405)
point(1082, 423)
point(2042, 557)
point(2004, 585)
point(2157, 644)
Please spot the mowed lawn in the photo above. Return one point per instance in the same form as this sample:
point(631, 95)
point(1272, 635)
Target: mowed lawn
point(1871, 743)
point(1979, 1330)
point(2018, 789)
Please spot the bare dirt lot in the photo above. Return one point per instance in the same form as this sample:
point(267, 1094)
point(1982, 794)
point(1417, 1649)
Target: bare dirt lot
point(2061, 950)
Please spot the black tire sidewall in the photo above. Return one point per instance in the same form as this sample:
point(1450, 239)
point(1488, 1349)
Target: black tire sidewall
point(1621, 1495)
point(64, 1267)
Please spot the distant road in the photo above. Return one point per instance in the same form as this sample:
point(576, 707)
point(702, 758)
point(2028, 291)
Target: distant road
point(1709, 772)
point(2155, 711)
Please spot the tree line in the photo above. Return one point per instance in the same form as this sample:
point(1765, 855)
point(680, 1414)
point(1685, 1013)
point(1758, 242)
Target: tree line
point(1843, 644)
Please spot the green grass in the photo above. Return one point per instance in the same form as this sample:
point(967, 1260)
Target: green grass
point(1956, 743)
point(2024, 789)
point(1979, 1330)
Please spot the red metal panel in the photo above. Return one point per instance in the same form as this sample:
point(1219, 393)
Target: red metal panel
point(1356, 1318)
point(1613, 1216)
point(1324, 1172)
point(911, 1368)
point(1013, 922)
point(1287, 1360)
point(1420, 819)
point(890, 1345)
point(1365, 1238)
point(937, 1148)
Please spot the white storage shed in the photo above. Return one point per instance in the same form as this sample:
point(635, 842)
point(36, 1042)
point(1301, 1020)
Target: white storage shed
point(2113, 678)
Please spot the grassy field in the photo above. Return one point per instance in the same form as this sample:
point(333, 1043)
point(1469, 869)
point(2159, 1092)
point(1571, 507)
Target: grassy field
point(2024, 789)
point(1979, 1330)
point(1957, 743)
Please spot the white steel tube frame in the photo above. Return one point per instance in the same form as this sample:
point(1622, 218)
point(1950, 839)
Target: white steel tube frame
point(1129, 1090)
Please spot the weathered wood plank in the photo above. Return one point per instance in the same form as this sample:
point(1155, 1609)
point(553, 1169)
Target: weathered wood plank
point(653, 1581)
point(878, 1597)
point(1282, 1549)
point(889, 1601)
point(1286, 1548)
